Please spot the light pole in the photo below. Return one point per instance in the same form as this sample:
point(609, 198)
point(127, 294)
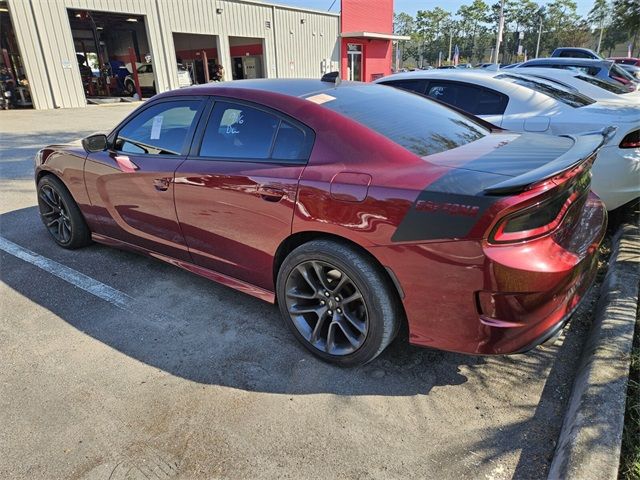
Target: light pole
point(500, 29)
point(539, 35)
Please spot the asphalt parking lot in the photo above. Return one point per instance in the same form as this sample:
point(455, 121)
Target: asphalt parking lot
point(186, 378)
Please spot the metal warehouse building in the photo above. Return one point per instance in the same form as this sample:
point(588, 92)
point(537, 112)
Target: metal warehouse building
point(63, 53)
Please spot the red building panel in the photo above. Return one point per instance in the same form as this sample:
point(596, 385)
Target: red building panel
point(366, 17)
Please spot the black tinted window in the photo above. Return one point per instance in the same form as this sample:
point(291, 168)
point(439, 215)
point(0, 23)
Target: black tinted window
point(160, 129)
point(418, 86)
point(290, 143)
point(416, 123)
point(565, 96)
point(472, 99)
point(574, 54)
point(238, 131)
point(610, 87)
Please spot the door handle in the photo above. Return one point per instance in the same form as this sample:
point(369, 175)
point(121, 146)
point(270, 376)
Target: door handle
point(271, 194)
point(162, 184)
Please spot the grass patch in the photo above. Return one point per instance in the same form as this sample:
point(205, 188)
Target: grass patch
point(630, 457)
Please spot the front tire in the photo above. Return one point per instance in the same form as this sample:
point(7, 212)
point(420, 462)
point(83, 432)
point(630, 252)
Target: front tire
point(61, 215)
point(338, 302)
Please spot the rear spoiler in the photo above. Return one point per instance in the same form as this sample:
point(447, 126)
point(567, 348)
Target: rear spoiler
point(585, 145)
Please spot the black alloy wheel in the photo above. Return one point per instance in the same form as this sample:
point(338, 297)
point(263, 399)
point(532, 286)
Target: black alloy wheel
point(54, 214)
point(60, 214)
point(327, 308)
point(338, 301)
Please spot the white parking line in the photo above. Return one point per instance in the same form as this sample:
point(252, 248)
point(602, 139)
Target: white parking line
point(75, 278)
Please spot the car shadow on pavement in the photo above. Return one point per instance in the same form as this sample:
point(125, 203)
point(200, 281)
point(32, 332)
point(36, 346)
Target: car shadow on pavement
point(208, 333)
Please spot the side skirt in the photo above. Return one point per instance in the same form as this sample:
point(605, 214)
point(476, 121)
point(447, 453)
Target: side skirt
point(234, 283)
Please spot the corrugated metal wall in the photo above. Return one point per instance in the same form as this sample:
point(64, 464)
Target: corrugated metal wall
point(295, 41)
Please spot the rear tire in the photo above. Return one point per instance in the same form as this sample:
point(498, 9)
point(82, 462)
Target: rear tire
point(130, 87)
point(338, 302)
point(61, 215)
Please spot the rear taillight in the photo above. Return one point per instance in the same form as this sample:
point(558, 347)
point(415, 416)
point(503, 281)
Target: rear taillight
point(543, 217)
point(631, 141)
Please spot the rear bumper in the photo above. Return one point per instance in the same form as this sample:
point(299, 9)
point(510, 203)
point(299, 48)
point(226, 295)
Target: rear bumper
point(540, 284)
point(477, 298)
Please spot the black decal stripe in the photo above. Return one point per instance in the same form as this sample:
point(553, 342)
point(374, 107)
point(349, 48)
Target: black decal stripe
point(459, 203)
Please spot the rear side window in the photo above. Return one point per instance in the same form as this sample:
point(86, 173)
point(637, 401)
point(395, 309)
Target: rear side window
point(414, 85)
point(160, 129)
point(414, 122)
point(239, 131)
point(573, 99)
point(470, 98)
point(610, 87)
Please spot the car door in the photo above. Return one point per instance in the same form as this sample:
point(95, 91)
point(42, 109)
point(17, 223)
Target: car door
point(484, 102)
point(235, 195)
point(130, 185)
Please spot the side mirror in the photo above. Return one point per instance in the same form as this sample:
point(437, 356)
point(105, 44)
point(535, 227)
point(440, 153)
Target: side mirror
point(95, 143)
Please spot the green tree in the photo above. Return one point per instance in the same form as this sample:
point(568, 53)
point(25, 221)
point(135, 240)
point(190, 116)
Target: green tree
point(627, 18)
point(598, 18)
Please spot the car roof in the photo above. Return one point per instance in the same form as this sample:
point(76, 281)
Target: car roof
point(294, 87)
point(568, 60)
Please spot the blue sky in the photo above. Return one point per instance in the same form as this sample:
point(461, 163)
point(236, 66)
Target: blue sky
point(412, 6)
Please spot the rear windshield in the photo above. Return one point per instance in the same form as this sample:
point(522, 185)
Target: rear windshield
point(610, 87)
point(418, 124)
point(573, 99)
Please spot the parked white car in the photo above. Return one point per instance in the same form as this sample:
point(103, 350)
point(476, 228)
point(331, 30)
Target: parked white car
point(577, 81)
point(525, 103)
point(148, 81)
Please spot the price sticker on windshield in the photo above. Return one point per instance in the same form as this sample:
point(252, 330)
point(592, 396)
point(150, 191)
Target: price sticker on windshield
point(156, 127)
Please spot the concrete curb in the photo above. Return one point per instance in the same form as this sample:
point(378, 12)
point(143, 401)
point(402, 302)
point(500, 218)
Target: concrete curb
point(591, 434)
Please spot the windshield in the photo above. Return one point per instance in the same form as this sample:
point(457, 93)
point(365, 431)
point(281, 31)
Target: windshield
point(608, 86)
point(418, 124)
point(573, 99)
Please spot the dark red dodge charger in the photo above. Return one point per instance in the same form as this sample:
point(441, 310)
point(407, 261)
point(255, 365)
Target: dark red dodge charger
point(354, 207)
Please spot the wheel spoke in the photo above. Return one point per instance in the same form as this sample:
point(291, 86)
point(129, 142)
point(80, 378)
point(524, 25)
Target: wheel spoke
point(353, 340)
point(66, 229)
point(341, 283)
point(321, 275)
point(49, 214)
point(45, 198)
point(354, 296)
point(299, 310)
point(358, 325)
point(316, 329)
point(331, 338)
point(304, 272)
point(53, 222)
point(302, 295)
point(60, 223)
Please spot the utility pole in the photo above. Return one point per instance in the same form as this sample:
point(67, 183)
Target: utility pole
point(500, 29)
point(450, 41)
point(539, 35)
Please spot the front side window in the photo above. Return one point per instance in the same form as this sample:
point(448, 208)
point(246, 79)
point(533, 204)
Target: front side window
point(161, 129)
point(416, 123)
point(470, 98)
point(572, 99)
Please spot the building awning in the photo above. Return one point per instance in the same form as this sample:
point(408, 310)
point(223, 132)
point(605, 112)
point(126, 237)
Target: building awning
point(373, 35)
